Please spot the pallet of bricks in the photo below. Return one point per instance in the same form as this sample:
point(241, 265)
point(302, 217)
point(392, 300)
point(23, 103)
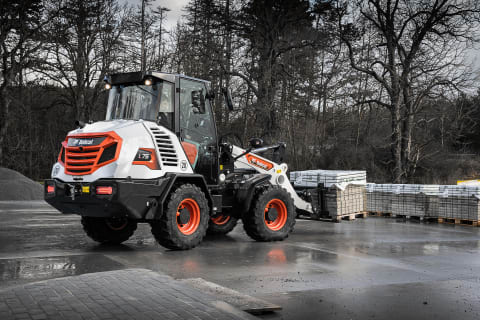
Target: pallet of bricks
point(459, 204)
point(448, 204)
point(415, 201)
point(402, 200)
point(342, 193)
point(379, 199)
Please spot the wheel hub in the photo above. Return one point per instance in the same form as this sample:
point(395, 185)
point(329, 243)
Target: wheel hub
point(272, 214)
point(184, 216)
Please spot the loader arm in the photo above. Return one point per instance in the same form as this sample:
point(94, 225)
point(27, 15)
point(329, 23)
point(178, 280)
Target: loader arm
point(278, 173)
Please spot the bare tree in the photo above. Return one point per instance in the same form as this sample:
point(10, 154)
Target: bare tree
point(409, 36)
point(83, 45)
point(21, 27)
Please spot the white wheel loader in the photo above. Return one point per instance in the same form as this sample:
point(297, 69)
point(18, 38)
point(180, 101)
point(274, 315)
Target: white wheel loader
point(157, 159)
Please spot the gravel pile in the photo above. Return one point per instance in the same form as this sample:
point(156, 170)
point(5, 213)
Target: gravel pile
point(15, 186)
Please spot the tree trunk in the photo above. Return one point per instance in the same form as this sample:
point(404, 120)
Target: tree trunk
point(4, 121)
point(396, 139)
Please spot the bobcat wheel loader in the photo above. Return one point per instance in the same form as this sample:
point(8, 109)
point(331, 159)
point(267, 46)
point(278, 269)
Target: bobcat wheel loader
point(157, 159)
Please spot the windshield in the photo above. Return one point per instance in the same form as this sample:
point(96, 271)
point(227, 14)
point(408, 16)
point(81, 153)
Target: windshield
point(154, 103)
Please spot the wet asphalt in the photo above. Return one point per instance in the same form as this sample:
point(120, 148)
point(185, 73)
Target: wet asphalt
point(374, 268)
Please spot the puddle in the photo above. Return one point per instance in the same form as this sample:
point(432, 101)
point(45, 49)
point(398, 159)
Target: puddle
point(13, 271)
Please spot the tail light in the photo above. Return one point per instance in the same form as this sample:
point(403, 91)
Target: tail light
point(104, 190)
point(50, 189)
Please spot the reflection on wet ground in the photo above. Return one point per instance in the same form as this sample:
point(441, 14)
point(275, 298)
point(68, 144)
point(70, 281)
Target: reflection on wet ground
point(370, 256)
point(16, 271)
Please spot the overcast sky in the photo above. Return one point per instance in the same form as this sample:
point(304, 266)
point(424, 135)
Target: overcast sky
point(175, 5)
point(176, 13)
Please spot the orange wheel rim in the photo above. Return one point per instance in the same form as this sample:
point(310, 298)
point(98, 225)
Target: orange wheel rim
point(115, 226)
point(221, 220)
point(281, 218)
point(194, 220)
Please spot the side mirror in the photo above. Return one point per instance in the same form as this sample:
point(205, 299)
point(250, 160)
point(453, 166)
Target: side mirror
point(256, 142)
point(228, 98)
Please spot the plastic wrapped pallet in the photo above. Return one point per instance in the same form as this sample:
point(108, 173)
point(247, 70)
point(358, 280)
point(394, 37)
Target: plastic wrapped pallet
point(370, 188)
point(328, 178)
point(407, 200)
point(459, 202)
point(348, 201)
point(379, 197)
point(432, 192)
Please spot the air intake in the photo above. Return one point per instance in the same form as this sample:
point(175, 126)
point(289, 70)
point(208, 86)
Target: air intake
point(168, 155)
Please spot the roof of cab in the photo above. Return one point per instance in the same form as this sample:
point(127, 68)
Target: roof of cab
point(138, 76)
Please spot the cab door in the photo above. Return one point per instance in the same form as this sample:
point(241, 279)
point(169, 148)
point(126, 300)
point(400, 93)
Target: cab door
point(198, 133)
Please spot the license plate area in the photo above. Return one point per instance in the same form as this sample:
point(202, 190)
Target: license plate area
point(73, 190)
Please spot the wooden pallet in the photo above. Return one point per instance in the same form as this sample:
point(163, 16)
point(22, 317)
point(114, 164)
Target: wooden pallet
point(379, 214)
point(410, 217)
point(463, 222)
point(351, 216)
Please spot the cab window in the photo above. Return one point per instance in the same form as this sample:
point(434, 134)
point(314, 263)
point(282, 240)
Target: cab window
point(197, 127)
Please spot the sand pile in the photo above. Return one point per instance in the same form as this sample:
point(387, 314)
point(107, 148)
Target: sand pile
point(15, 186)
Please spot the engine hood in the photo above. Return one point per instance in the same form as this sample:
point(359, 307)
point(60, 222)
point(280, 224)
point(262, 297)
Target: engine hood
point(105, 126)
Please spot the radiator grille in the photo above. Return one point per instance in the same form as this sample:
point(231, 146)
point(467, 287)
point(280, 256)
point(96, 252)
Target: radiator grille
point(165, 147)
point(81, 160)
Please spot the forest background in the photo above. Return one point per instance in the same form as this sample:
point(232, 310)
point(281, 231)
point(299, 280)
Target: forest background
point(386, 86)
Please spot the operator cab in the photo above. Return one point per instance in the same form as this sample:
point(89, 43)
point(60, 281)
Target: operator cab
point(179, 103)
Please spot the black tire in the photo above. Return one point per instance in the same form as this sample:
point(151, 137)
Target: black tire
point(167, 230)
point(221, 224)
point(109, 230)
point(255, 220)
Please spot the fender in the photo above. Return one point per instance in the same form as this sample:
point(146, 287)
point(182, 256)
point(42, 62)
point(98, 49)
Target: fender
point(246, 192)
point(173, 178)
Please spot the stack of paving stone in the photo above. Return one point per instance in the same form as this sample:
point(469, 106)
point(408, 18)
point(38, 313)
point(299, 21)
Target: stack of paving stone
point(328, 178)
point(459, 202)
point(403, 199)
point(432, 192)
point(379, 197)
point(351, 200)
point(414, 200)
point(343, 192)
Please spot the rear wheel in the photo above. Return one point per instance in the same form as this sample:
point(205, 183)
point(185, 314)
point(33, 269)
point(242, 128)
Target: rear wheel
point(271, 216)
point(109, 230)
point(221, 224)
point(185, 219)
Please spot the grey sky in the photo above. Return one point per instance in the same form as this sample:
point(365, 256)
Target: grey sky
point(176, 13)
point(175, 5)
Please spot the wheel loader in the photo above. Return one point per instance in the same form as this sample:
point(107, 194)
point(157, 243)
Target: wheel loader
point(157, 159)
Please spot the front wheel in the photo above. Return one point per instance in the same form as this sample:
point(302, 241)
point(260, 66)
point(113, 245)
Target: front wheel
point(109, 230)
point(185, 219)
point(271, 216)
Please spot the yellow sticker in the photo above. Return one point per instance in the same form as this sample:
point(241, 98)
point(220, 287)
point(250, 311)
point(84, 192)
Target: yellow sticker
point(221, 167)
point(86, 189)
point(279, 171)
